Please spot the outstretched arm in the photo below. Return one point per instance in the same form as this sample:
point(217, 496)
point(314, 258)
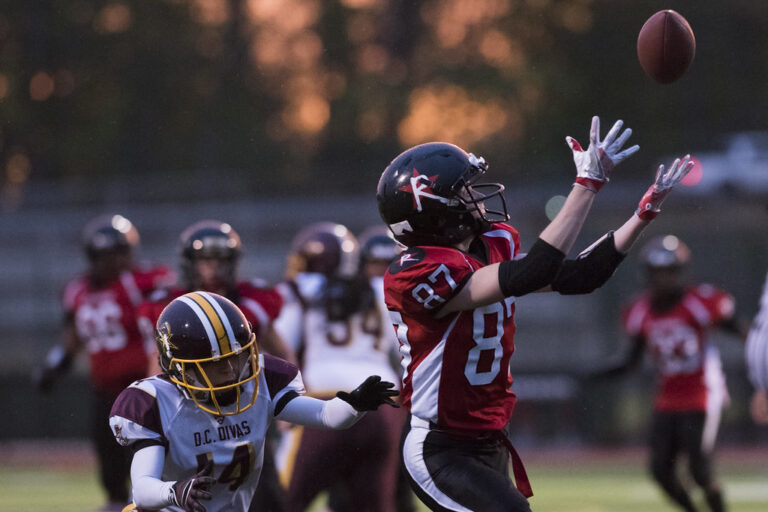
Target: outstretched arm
point(594, 168)
point(340, 412)
point(596, 264)
point(756, 355)
point(59, 358)
point(539, 267)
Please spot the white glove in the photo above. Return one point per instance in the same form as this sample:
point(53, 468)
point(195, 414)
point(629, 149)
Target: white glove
point(649, 205)
point(595, 165)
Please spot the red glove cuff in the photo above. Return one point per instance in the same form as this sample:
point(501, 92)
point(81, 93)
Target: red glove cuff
point(647, 215)
point(589, 184)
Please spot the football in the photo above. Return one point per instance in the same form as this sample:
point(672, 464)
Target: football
point(666, 46)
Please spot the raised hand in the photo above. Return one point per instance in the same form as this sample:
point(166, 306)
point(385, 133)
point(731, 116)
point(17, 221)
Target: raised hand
point(369, 395)
point(650, 204)
point(188, 493)
point(595, 165)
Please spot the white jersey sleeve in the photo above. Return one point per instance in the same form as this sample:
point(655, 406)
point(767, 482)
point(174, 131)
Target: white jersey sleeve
point(297, 295)
point(757, 345)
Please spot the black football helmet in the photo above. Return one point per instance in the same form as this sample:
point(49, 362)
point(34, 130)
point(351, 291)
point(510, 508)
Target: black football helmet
point(665, 252)
point(326, 248)
point(209, 239)
point(378, 245)
point(429, 195)
point(109, 234)
point(208, 349)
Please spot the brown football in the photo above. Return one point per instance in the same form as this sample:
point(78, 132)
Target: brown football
point(666, 46)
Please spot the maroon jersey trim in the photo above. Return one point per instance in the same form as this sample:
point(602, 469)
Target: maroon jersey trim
point(140, 407)
point(278, 373)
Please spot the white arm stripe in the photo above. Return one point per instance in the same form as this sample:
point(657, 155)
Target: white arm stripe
point(129, 283)
point(223, 318)
point(258, 311)
point(206, 324)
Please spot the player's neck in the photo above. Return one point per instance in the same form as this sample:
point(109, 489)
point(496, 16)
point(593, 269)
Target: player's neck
point(665, 300)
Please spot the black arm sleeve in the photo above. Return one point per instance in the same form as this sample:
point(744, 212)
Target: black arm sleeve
point(590, 270)
point(535, 271)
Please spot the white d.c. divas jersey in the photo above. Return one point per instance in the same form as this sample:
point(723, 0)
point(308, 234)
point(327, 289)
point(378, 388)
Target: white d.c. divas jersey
point(338, 355)
point(153, 411)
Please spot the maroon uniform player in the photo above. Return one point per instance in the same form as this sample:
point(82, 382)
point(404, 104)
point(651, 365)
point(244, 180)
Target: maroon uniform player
point(100, 316)
point(335, 320)
point(210, 251)
point(451, 297)
point(671, 321)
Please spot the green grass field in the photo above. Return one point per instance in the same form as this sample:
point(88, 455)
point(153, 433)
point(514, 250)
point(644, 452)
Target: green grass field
point(563, 481)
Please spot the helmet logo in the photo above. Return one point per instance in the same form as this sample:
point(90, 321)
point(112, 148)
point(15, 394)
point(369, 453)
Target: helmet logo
point(421, 186)
point(121, 438)
point(165, 338)
point(407, 258)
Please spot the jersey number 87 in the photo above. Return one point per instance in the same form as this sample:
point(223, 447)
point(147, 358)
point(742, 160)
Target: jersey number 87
point(484, 341)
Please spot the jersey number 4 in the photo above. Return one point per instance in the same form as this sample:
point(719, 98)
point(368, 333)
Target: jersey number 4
point(238, 469)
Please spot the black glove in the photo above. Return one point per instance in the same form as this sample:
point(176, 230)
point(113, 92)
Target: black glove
point(57, 362)
point(369, 395)
point(43, 378)
point(188, 493)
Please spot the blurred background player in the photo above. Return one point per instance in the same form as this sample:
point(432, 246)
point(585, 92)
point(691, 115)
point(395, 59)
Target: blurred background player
point(209, 254)
point(377, 251)
point(452, 295)
point(198, 429)
point(671, 320)
point(336, 323)
point(100, 316)
point(757, 360)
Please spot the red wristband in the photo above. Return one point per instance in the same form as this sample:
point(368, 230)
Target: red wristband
point(589, 183)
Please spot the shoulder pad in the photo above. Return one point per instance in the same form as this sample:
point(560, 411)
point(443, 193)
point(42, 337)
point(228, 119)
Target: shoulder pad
point(407, 259)
point(258, 282)
point(706, 290)
point(159, 294)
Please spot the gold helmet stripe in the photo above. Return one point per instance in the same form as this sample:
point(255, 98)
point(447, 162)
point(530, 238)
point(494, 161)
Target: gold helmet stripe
point(207, 325)
point(231, 342)
point(212, 323)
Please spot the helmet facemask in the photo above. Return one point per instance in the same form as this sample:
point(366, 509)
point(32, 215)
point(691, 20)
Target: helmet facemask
point(474, 196)
point(217, 383)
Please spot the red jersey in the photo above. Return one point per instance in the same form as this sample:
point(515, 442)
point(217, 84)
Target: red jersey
point(688, 365)
point(260, 305)
point(105, 321)
point(456, 368)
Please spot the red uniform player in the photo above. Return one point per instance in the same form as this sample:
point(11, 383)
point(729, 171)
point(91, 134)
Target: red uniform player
point(451, 297)
point(100, 316)
point(671, 321)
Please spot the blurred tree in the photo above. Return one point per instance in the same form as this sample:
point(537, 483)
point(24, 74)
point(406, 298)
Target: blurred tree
point(292, 92)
